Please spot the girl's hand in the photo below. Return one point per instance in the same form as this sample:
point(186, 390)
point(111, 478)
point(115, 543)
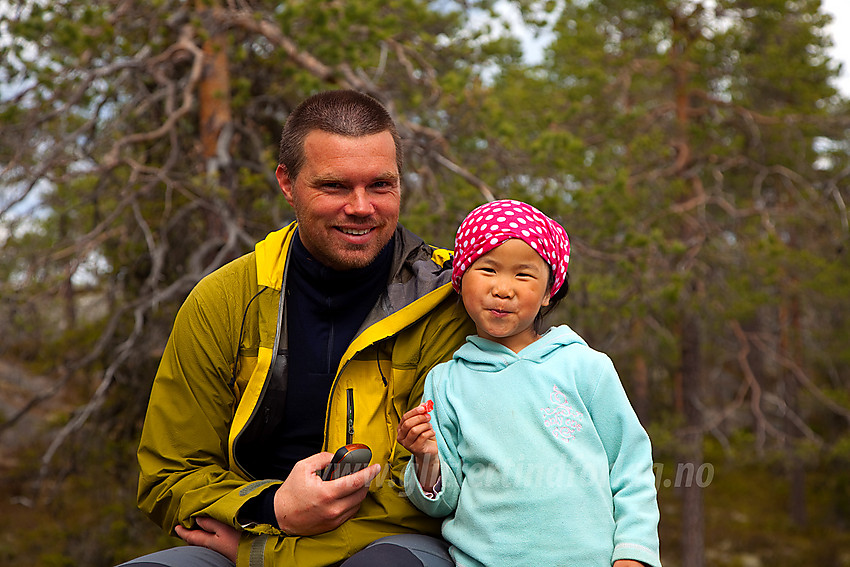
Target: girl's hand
point(415, 432)
point(417, 436)
point(212, 534)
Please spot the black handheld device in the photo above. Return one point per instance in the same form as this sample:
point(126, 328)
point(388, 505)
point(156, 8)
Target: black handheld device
point(347, 459)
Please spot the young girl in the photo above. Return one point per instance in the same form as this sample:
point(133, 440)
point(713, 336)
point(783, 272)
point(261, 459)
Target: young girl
point(527, 443)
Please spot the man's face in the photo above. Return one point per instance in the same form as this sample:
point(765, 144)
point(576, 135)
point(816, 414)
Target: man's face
point(346, 197)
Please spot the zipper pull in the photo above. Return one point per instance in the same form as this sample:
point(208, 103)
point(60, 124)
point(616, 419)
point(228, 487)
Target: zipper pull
point(349, 416)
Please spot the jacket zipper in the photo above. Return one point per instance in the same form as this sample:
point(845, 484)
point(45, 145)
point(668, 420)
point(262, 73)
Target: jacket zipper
point(349, 416)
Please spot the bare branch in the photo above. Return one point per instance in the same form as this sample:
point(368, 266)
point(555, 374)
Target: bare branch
point(185, 43)
point(805, 380)
point(345, 77)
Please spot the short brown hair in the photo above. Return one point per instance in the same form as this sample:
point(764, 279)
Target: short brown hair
point(342, 112)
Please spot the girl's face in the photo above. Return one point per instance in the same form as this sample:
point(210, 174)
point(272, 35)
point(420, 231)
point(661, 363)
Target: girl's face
point(503, 291)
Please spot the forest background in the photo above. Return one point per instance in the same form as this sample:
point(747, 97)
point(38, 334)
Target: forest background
point(696, 152)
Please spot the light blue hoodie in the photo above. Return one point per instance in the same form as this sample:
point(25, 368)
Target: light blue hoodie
point(543, 460)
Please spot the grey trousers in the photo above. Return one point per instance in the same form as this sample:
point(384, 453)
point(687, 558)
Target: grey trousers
point(406, 550)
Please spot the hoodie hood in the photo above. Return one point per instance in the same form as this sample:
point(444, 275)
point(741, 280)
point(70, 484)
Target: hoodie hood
point(484, 355)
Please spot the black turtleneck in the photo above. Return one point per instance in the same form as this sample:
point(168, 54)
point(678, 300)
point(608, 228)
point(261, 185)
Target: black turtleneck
point(324, 310)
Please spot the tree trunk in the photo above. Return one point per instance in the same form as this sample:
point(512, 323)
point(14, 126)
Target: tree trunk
point(214, 97)
point(693, 524)
point(215, 114)
point(640, 378)
point(692, 528)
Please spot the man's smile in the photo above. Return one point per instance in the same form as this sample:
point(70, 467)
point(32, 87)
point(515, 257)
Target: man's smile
point(355, 231)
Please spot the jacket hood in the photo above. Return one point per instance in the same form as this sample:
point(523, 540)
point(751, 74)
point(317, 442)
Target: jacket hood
point(484, 355)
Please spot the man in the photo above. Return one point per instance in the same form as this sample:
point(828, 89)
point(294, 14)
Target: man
point(257, 386)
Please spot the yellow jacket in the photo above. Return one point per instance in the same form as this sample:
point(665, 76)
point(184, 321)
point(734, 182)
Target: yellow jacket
point(222, 374)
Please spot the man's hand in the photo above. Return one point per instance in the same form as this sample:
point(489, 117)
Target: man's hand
point(417, 436)
point(307, 505)
point(212, 534)
point(628, 563)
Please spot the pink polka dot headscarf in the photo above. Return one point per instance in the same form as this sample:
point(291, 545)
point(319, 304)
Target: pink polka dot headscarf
point(493, 223)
